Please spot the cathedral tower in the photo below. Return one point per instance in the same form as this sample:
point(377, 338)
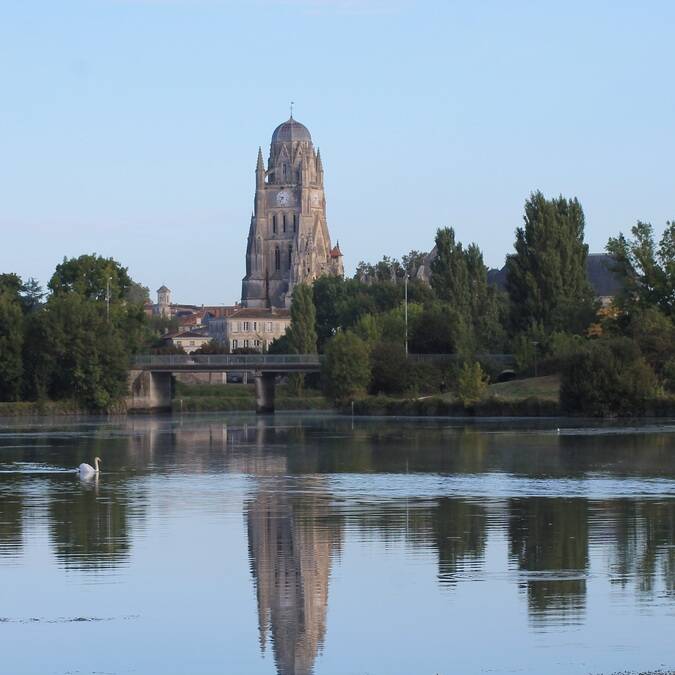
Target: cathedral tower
point(288, 241)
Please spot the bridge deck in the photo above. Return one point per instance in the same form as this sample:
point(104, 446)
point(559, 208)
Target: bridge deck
point(277, 363)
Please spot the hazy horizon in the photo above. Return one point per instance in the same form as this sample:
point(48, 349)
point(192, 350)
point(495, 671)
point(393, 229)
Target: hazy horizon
point(131, 127)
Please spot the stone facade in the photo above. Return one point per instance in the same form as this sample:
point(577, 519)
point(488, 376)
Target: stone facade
point(288, 241)
point(251, 328)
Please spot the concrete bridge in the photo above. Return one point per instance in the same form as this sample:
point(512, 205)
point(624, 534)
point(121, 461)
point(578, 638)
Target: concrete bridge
point(150, 381)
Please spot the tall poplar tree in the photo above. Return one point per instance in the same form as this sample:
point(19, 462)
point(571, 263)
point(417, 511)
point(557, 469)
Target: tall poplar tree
point(459, 278)
point(546, 276)
point(302, 332)
point(302, 338)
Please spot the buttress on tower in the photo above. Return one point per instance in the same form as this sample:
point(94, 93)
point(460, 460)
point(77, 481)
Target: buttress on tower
point(288, 242)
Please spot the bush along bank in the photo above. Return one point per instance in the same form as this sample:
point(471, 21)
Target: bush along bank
point(438, 407)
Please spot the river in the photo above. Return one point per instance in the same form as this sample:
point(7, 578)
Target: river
point(301, 544)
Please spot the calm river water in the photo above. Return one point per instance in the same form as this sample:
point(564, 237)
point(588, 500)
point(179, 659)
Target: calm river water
point(314, 544)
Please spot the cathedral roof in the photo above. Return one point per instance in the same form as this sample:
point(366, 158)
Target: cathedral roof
point(290, 131)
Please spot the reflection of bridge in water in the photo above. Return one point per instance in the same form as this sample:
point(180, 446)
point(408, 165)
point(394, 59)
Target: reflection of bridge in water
point(150, 375)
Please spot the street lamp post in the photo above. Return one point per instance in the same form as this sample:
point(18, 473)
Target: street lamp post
point(405, 311)
point(107, 298)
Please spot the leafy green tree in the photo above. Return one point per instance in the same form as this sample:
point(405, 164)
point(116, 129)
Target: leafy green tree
point(330, 295)
point(213, 347)
point(280, 345)
point(91, 276)
point(368, 329)
point(647, 271)
point(546, 276)
point(389, 368)
point(84, 357)
point(459, 277)
point(11, 341)
point(32, 295)
point(449, 272)
point(137, 293)
point(440, 329)
point(472, 383)
point(607, 377)
point(302, 336)
point(412, 261)
point(346, 369)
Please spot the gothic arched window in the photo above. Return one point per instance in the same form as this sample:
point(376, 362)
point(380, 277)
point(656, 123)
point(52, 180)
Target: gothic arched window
point(277, 259)
point(284, 221)
point(285, 171)
point(295, 222)
point(290, 256)
point(274, 224)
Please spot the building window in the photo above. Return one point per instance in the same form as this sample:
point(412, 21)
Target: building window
point(277, 259)
point(255, 325)
point(290, 256)
point(295, 222)
point(256, 343)
point(274, 224)
point(269, 326)
point(285, 171)
point(297, 176)
point(284, 221)
point(234, 344)
point(247, 326)
point(245, 344)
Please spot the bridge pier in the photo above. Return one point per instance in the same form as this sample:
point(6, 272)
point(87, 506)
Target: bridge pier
point(264, 392)
point(149, 391)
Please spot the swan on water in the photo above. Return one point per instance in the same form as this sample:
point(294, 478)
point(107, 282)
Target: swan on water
point(87, 470)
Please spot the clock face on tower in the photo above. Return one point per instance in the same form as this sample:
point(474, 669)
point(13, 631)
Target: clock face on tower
point(283, 198)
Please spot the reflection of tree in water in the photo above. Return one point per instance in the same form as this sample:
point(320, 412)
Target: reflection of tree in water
point(460, 536)
point(89, 528)
point(11, 519)
point(293, 534)
point(549, 540)
point(642, 534)
point(456, 528)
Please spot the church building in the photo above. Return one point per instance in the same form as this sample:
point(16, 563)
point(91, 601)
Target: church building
point(288, 241)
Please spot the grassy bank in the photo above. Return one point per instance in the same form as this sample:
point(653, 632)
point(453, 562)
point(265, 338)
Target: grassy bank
point(32, 408)
point(445, 407)
point(529, 397)
point(240, 397)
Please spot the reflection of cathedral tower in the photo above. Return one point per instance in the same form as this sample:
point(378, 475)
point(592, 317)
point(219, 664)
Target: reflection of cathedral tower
point(288, 241)
point(291, 544)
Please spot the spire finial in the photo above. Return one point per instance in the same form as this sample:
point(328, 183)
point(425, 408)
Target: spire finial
point(292, 104)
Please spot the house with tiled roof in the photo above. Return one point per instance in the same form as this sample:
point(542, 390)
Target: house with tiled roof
point(250, 328)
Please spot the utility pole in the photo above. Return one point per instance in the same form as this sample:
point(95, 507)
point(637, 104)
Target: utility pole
point(405, 311)
point(107, 298)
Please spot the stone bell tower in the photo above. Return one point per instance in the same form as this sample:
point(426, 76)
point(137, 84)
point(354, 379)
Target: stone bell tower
point(288, 241)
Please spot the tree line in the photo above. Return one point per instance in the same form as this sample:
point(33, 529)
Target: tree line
point(77, 343)
point(612, 360)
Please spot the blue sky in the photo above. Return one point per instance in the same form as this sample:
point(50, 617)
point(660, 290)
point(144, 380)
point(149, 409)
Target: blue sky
point(131, 127)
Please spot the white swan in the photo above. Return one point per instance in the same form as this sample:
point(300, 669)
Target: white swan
point(87, 470)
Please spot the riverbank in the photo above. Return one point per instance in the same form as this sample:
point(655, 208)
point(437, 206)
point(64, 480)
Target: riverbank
point(530, 397)
point(241, 397)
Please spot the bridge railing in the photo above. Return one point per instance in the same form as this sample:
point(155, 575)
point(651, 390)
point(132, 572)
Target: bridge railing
point(254, 361)
point(220, 360)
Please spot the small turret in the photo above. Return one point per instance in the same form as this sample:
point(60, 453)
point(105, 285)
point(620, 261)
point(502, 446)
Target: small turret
point(319, 167)
point(260, 169)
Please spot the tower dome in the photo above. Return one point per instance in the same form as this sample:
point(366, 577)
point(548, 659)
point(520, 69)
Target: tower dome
point(291, 131)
